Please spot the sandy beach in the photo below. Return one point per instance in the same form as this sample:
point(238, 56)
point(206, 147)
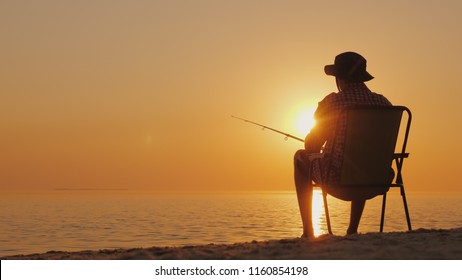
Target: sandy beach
point(419, 244)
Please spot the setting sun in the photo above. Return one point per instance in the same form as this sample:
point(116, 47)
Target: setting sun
point(304, 121)
point(176, 130)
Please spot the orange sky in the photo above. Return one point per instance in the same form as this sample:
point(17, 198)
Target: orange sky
point(137, 95)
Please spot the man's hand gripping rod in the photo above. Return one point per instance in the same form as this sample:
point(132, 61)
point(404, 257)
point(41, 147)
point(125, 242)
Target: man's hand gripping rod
point(272, 129)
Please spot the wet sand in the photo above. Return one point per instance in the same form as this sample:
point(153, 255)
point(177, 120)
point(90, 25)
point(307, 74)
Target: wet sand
point(419, 244)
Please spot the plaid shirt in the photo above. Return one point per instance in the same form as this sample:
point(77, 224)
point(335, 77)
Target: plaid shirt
point(326, 115)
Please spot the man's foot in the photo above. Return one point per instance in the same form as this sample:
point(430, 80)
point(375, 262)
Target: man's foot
point(350, 232)
point(307, 235)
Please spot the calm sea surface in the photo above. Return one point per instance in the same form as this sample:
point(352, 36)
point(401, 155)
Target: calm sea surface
point(73, 224)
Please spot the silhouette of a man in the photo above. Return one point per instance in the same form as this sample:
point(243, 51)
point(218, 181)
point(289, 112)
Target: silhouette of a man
point(349, 70)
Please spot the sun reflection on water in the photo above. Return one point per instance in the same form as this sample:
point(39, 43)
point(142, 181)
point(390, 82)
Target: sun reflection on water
point(319, 219)
point(31, 225)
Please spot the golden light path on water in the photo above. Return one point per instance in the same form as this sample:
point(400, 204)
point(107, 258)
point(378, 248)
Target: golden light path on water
point(318, 213)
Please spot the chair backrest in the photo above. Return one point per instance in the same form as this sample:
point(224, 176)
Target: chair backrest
point(371, 136)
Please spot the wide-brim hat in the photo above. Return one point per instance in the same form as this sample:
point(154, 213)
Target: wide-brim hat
point(349, 66)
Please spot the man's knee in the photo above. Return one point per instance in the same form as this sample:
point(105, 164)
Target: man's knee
point(299, 156)
point(301, 162)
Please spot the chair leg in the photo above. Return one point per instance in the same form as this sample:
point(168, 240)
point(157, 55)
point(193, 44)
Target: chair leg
point(326, 210)
point(382, 218)
point(408, 218)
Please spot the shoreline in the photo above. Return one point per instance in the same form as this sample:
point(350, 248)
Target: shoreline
point(418, 244)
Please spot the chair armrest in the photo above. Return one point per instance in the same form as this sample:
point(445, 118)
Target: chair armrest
point(401, 155)
point(314, 156)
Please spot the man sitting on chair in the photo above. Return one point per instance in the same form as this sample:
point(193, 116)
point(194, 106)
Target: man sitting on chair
point(349, 70)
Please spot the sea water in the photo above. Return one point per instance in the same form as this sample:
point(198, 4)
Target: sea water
point(37, 225)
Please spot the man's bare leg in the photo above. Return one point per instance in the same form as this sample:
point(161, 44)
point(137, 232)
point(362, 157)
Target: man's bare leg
point(304, 190)
point(357, 207)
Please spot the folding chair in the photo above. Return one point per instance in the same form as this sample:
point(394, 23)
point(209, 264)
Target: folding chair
point(369, 152)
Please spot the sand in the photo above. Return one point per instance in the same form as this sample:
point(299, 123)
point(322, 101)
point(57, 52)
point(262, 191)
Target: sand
point(419, 244)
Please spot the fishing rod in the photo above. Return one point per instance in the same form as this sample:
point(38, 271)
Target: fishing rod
point(287, 135)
